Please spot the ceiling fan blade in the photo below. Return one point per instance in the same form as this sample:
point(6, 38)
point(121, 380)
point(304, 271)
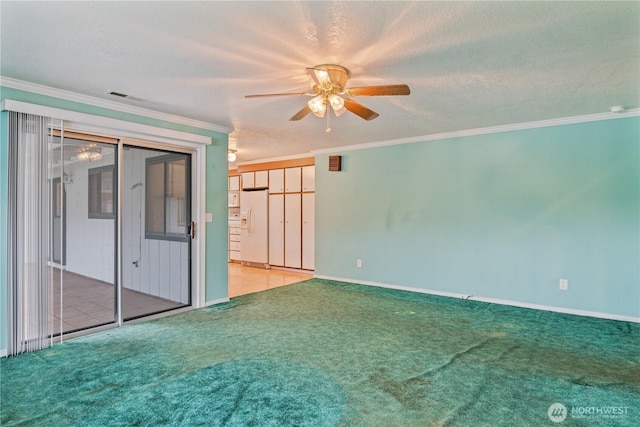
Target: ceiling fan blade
point(359, 109)
point(264, 95)
point(300, 114)
point(378, 90)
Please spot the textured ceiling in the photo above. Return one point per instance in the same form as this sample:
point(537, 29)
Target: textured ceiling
point(469, 64)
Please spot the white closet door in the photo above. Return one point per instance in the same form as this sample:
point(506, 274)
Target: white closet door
point(308, 230)
point(292, 231)
point(276, 229)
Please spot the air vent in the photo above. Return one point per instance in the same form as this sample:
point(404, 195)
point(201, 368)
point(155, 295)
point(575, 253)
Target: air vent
point(124, 95)
point(335, 163)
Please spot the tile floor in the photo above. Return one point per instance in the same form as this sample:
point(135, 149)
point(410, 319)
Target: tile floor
point(247, 280)
point(89, 302)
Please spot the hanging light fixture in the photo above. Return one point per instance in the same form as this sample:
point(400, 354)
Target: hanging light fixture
point(318, 105)
point(231, 156)
point(337, 103)
point(90, 153)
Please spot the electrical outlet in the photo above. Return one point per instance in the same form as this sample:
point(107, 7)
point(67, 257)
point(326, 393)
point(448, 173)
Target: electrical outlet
point(359, 263)
point(564, 284)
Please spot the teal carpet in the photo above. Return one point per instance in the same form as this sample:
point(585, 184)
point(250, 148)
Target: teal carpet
point(323, 353)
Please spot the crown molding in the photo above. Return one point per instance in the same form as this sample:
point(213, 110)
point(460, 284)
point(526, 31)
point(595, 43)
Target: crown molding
point(483, 131)
point(111, 105)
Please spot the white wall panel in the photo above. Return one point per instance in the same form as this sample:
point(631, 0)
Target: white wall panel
point(175, 271)
point(162, 266)
point(89, 241)
point(154, 270)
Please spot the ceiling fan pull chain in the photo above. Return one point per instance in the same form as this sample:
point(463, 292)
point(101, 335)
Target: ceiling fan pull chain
point(328, 120)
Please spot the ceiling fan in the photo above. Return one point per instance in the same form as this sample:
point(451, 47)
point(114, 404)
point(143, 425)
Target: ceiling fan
point(328, 85)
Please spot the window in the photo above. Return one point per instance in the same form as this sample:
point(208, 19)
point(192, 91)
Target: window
point(166, 197)
point(101, 185)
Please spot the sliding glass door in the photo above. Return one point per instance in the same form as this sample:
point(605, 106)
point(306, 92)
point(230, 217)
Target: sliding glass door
point(156, 225)
point(83, 231)
point(99, 232)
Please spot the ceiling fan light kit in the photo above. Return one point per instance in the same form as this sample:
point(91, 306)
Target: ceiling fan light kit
point(318, 106)
point(328, 84)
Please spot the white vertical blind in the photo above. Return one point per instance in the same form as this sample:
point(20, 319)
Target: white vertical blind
point(29, 289)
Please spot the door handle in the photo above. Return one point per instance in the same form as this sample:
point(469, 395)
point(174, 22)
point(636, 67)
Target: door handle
point(193, 229)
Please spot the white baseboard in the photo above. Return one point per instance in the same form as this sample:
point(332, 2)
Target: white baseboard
point(586, 313)
point(215, 301)
point(3, 353)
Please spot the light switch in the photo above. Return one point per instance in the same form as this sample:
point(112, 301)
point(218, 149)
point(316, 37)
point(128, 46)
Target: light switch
point(208, 217)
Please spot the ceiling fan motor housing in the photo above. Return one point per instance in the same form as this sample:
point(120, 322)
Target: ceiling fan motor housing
point(337, 74)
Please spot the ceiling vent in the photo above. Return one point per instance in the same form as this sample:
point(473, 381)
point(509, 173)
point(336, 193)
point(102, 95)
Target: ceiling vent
point(124, 95)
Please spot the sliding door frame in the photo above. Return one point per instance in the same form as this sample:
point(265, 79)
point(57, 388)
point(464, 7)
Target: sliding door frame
point(129, 133)
point(198, 169)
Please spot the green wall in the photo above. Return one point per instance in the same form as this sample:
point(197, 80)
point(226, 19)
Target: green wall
point(216, 272)
point(502, 216)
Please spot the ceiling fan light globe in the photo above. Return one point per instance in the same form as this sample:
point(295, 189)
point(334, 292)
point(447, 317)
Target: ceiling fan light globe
point(337, 103)
point(317, 106)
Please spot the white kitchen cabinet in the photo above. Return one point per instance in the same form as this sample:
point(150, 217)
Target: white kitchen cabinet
point(248, 180)
point(291, 211)
point(234, 242)
point(292, 230)
point(234, 194)
point(276, 229)
point(292, 180)
point(234, 183)
point(257, 179)
point(308, 178)
point(262, 179)
point(308, 230)
point(276, 181)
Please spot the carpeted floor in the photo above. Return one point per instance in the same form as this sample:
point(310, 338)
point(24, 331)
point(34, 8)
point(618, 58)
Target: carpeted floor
point(323, 353)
